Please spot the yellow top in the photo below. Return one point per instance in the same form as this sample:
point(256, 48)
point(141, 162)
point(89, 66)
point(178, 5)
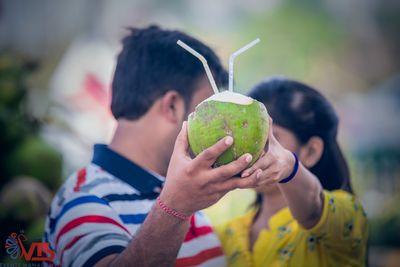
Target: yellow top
point(339, 238)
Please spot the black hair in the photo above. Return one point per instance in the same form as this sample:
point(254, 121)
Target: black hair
point(151, 63)
point(307, 113)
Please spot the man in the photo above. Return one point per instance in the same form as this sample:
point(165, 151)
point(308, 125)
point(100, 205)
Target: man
point(111, 213)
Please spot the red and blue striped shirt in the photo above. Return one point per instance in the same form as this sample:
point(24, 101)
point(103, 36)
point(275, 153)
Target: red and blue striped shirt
point(99, 209)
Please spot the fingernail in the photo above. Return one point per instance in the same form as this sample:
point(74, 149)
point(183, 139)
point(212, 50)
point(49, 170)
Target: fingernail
point(248, 158)
point(258, 176)
point(228, 140)
point(244, 174)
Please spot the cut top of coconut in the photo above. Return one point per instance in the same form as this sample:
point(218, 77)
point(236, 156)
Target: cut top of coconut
point(231, 97)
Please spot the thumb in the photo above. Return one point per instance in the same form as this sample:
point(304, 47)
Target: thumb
point(182, 143)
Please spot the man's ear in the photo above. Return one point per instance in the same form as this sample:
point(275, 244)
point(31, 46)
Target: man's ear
point(172, 106)
point(311, 152)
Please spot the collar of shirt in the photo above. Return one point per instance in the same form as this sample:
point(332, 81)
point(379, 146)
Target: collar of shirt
point(280, 218)
point(146, 182)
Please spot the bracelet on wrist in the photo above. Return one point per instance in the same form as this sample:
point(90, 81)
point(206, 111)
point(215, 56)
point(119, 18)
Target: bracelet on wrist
point(172, 212)
point(293, 174)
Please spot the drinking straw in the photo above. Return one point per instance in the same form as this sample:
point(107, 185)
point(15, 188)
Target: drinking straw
point(232, 59)
point(204, 61)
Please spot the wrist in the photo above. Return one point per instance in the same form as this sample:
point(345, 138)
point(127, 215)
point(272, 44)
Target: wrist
point(289, 162)
point(294, 168)
point(172, 212)
point(174, 204)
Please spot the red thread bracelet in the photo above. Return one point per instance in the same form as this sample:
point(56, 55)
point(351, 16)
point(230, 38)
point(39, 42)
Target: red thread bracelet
point(172, 212)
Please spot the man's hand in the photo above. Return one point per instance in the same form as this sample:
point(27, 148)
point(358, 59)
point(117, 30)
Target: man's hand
point(193, 184)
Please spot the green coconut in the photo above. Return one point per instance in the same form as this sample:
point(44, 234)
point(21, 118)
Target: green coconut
point(233, 114)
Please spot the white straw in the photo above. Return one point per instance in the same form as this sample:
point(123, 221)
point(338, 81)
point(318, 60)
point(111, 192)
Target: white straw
point(204, 61)
point(232, 59)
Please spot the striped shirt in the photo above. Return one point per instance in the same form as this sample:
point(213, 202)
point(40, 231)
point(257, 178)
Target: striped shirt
point(99, 209)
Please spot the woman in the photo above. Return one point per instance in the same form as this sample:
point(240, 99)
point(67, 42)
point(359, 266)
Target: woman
point(306, 213)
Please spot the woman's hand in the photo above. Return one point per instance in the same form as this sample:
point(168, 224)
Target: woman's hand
point(276, 164)
point(304, 193)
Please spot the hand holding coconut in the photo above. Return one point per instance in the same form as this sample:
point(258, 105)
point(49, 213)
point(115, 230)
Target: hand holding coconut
point(193, 184)
point(276, 164)
point(300, 188)
point(227, 133)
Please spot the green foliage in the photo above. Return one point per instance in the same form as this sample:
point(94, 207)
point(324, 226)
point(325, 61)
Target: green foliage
point(15, 121)
point(293, 39)
point(23, 200)
point(36, 158)
point(385, 229)
point(35, 230)
point(12, 73)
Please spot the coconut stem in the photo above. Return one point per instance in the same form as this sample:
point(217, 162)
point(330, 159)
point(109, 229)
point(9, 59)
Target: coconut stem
point(205, 64)
point(232, 59)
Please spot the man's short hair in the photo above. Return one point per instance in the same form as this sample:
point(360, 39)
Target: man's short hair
point(151, 63)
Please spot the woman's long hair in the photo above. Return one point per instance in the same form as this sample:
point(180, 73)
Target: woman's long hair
point(306, 113)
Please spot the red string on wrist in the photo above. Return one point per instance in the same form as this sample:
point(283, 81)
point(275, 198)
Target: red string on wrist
point(172, 212)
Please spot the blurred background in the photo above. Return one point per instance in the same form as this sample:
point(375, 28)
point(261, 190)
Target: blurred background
point(57, 60)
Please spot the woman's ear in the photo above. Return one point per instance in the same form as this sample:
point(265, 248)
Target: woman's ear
point(311, 152)
point(172, 107)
